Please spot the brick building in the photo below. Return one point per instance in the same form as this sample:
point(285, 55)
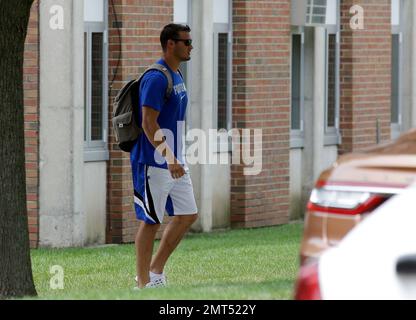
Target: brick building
point(319, 78)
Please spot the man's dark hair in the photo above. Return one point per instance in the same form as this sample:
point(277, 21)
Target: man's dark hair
point(171, 31)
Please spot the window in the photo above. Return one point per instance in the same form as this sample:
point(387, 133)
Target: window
point(395, 79)
point(222, 65)
point(96, 84)
point(332, 100)
point(297, 85)
point(316, 12)
point(332, 82)
point(297, 64)
point(97, 99)
point(332, 90)
point(222, 72)
point(182, 14)
point(222, 78)
point(396, 62)
point(305, 14)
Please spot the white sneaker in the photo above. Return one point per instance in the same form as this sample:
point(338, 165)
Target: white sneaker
point(157, 280)
point(149, 285)
point(152, 285)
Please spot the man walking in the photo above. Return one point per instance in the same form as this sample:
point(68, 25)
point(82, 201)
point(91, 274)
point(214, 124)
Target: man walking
point(160, 176)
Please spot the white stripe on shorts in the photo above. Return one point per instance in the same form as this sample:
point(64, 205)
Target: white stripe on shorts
point(140, 204)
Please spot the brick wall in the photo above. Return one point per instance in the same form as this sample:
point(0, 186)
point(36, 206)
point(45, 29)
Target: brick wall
point(261, 99)
point(365, 75)
point(31, 118)
point(140, 23)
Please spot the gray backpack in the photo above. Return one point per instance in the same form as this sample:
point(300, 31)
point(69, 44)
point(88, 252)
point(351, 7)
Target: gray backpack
point(125, 125)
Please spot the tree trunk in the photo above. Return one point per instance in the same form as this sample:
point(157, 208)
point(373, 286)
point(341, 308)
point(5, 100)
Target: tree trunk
point(16, 278)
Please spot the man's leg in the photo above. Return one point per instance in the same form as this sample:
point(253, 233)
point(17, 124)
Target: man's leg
point(172, 235)
point(144, 248)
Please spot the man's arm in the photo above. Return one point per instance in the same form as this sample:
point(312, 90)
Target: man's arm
point(150, 127)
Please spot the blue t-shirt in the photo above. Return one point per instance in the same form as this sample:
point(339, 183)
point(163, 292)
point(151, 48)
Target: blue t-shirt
point(171, 118)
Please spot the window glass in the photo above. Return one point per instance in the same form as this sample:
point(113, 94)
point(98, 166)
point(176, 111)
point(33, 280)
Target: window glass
point(97, 86)
point(95, 82)
point(395, 81)
point(296, 81)
point(332, 80)
point(316, 11)
point(222, 80)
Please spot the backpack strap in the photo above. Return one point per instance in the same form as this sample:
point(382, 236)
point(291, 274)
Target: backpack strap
point(165, 71)
point(167, 74)
point(180, 73)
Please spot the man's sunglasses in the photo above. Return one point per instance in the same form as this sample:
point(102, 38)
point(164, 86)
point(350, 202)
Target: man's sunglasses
point(186, 42)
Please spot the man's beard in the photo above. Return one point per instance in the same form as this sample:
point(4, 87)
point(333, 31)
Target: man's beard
point(183, 59)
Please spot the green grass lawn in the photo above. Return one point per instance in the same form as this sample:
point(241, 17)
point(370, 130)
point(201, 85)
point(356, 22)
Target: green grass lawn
point(238, 264)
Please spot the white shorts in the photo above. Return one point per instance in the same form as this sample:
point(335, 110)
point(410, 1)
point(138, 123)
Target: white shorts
point(159, 193)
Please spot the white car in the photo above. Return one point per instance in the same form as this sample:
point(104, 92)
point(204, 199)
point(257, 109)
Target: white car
point(376, 260)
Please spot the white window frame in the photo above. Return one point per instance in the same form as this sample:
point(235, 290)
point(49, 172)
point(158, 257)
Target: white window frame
point(224, 29)
point(332, 135)
point(96, 150)
point(396, 127)
point(297, 136)
point(217, 29)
